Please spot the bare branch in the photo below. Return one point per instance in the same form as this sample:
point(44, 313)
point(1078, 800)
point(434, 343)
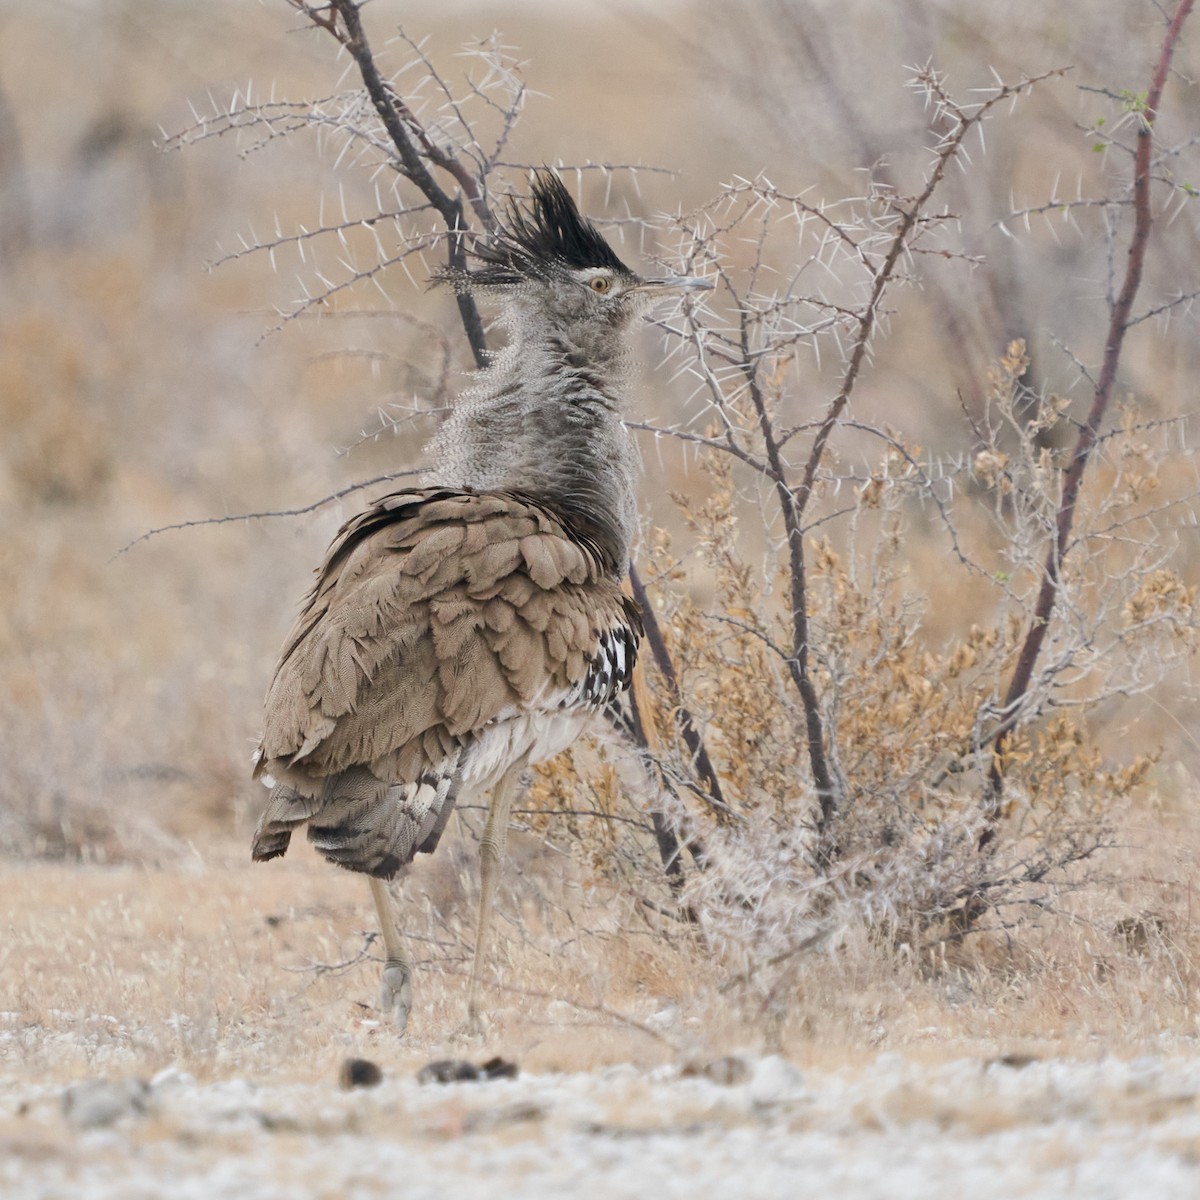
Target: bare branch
point(1119, 323)
point(269, 514)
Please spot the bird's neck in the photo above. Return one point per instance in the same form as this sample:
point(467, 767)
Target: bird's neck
point(545, 420)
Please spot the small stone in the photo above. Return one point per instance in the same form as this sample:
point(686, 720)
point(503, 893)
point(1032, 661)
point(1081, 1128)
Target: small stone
point(98, 1103)
point(728, 1070)
point(447, 1070)
point(774, 1080)
point(498, 1068)
point(1016, 1061)
point(359, 1073)
point(170, 1078)
point(457, 1070)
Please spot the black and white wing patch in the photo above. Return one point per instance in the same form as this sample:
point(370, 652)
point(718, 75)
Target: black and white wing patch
point(610, 669)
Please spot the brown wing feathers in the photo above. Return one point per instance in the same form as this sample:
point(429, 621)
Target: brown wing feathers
point(434, 614)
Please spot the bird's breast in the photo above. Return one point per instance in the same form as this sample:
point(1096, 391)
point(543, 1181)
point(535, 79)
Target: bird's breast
point(539, 735)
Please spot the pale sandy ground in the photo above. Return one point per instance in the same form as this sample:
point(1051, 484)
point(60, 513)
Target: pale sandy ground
point(893, 1128)
point(199, 983)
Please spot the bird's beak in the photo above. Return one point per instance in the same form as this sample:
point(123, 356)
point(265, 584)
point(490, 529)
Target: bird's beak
point(674, 283)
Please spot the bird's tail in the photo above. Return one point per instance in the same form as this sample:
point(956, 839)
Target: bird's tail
point(286, 809)
point(361, 822)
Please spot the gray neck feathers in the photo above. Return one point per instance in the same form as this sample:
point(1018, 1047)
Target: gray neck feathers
point(545, 419)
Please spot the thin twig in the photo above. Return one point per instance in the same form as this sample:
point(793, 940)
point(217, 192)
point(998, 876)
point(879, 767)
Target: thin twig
point(270, 513)
point(354, 39)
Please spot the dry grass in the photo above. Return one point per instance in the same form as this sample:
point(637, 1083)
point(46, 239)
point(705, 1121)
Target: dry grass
point(215, 966)
point(220, 968)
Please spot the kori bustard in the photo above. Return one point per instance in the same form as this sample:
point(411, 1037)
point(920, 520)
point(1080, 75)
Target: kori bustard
point(459, 631)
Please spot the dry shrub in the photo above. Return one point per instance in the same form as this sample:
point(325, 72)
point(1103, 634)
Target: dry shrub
point(909, 714)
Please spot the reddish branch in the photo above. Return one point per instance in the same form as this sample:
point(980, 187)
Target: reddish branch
point(402, 127)
point(794, 501)
point(687, 726)
point(798, 660)
point(1118, 324)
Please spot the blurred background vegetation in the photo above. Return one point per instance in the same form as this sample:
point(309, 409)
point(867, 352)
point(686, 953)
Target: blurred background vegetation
point(138, 390)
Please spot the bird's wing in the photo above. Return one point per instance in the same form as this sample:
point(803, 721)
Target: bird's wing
point(435, 614)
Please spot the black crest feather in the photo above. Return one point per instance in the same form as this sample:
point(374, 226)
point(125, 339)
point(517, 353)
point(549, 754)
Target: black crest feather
point(532, 241)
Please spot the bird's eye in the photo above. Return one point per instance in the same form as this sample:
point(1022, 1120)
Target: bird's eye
point(601, 284)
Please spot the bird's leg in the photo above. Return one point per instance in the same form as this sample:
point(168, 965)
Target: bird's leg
point(491, 858)
point(395, 992)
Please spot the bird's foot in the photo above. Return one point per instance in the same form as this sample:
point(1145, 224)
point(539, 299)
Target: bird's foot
point(474, 1028)
point(395, 993)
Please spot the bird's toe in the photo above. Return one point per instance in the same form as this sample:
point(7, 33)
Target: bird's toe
point(395, 994)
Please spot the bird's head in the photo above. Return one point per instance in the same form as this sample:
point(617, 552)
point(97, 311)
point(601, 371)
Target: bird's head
point(546, 256)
